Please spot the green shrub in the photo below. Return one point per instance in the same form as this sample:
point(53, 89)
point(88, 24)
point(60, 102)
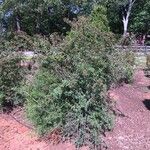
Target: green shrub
point(11, 76)
point(41, 44)
point(69, 92)
point(16, 41)
point(41, 107)
point(20, 41)
point(130, 57)
point(121, 66)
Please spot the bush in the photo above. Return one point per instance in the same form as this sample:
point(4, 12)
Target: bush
point(10, 78)
point(130, 57)
point(16, 41)
point(121, 66)
point(69, 92)
point(126, 41)
point(20, 41)
point(41, 44)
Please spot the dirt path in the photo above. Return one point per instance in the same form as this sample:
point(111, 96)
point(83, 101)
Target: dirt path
point(130, 133)
point(15, 136)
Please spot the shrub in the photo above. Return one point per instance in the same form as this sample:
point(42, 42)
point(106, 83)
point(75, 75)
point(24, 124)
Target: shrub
point(69, 92)
point(41, 44)
point(125, 41)
point(41, 104)
point(21, 41)
point(16, 41)
point(121, 66)
point(130, 57)
point(10, 78)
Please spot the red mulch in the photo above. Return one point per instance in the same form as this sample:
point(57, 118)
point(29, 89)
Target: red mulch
point(131, 132)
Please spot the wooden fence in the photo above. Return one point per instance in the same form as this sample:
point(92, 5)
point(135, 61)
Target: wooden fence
point(138, 49)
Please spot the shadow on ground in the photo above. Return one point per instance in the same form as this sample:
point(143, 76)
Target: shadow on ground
point(146, 102)
point(148, 87)
point(147, 72)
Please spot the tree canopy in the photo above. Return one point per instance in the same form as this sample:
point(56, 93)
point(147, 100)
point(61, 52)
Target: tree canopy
point(47, 16)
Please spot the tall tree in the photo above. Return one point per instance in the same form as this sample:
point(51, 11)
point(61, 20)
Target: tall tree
point(141, 19)
point(120, 11)
point(126, 11)
point(43, 16)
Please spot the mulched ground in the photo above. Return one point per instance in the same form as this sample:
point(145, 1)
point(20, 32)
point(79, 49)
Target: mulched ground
point(131, 132)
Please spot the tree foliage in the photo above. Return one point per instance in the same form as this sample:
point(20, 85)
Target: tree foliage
point(141, 20)
point(138, 19)
point(42, 16)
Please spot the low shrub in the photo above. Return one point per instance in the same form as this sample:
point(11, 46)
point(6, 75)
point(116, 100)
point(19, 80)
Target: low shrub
point(41, 44)
point(121, 66)
point(130, 57)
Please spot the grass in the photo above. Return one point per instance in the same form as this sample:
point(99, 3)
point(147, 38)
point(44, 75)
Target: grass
point(140, 60)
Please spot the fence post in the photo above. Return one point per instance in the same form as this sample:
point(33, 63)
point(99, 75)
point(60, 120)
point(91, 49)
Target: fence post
point(146, 50)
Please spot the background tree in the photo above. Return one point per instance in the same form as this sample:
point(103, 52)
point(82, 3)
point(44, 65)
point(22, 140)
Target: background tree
point(120, 11)
point(141, 20)
point(42, 16)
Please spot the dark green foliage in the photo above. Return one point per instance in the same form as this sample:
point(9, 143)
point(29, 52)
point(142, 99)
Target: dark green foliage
point(114, 16)
point(42, 16)
point(99, 18)
point(15, 42)
point(41, 108)
point(140, 21)
point(20, 41)
point(11, 76)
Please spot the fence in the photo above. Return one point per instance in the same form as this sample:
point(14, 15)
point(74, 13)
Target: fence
point(138, 49)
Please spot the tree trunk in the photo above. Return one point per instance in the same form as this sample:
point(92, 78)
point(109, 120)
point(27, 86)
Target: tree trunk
point(126, 15)
point(18, 24)
point(125, 26)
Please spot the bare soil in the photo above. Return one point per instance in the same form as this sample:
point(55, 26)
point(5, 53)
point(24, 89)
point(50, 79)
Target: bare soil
point(132, 132)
